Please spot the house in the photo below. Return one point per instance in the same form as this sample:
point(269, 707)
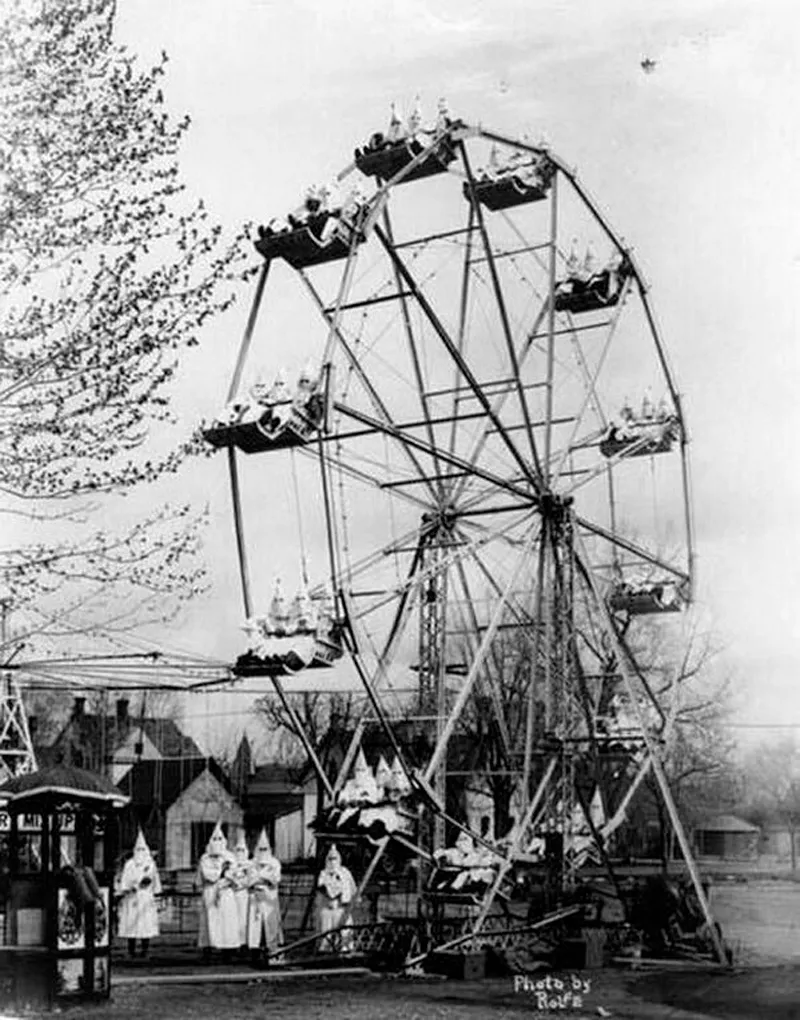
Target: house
point(283, 801)
point(177, 803)
point(110, 743)
point(727, 836)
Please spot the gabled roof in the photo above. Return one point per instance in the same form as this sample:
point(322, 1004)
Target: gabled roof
point(726, 823)
point(160, 783)
point(96, 737)
point(168, 738)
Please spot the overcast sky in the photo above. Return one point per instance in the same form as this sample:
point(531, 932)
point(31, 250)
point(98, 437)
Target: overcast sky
point(695, 164)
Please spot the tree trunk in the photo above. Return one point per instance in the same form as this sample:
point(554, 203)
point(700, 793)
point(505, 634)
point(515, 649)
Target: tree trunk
point(793, 847)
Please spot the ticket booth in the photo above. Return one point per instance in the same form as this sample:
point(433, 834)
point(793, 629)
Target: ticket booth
point(60, 840)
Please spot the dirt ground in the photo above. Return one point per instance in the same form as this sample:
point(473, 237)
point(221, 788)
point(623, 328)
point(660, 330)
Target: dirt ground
point(768, 993)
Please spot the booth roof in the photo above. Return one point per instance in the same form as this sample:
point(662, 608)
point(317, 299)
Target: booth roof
point(62, 780)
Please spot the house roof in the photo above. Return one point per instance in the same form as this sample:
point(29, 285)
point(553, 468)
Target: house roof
point(726, 823)
point(275, 778)
point(152, 782)
point(99, 736)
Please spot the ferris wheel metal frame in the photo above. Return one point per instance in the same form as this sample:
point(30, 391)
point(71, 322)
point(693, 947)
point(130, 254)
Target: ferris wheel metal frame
point(549, 538)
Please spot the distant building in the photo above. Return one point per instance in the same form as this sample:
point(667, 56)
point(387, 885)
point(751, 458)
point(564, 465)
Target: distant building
point(283, 800)
point(727, 836)
point(177, 803)
point(110, 743)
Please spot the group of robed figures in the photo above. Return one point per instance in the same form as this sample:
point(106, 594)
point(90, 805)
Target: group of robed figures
point(239, 909)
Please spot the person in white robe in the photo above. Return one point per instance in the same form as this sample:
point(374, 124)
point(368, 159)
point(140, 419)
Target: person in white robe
point(264, 924)
point(336, 889)
point(219, 921)
point(137, 888)
point(240, 878)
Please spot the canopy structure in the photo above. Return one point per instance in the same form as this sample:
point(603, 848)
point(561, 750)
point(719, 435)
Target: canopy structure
point(60, 781)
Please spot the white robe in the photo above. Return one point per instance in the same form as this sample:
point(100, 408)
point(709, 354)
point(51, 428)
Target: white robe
point(138, 885)
point(265, 912)
point(336, 891)
point(240, 876)
point(219, 920)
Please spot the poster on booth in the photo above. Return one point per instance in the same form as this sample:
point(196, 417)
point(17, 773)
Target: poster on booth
point(69, 978)
point(101, 974)
point(101, 919)
point(70, 922)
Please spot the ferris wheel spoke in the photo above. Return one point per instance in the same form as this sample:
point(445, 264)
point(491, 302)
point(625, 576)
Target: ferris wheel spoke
point(591, 379)
point(361, 374)
point(463, 307)
point(422, 446)
point(608, 463)
point(477, 663)
point(494, 667)
point(497, 407)
point(396, 631)
point(522, 615)
point(457, 357)
point(501, 307)
point(634, 548)
point(364, 477)
point(413, 350)
point(447, 560)
point(625, 659)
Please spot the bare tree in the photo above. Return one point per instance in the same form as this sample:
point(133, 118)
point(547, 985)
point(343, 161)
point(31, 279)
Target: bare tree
point(327, 719)
point(771, 781)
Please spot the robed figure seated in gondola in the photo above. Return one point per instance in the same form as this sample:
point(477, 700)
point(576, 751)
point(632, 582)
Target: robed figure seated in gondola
point(653, 430)
point(370, 804)
point(385, 155)
point(291, 636)
point(524, 177)
point(587, 287)
point(639, 597)
point(322, 229)
point(276, 417)
point(464, 868)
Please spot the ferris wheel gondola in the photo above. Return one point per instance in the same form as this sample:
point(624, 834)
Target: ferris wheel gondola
point(477, 501)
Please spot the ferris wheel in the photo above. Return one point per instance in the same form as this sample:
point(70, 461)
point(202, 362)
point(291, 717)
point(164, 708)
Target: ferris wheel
point(492, 460)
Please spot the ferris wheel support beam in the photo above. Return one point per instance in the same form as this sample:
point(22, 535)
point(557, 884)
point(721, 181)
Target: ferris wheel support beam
point(514, 846)
point(477, 663)
point(456, 356)
point(530, 717)
point(501, 307)
point(653, 752)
